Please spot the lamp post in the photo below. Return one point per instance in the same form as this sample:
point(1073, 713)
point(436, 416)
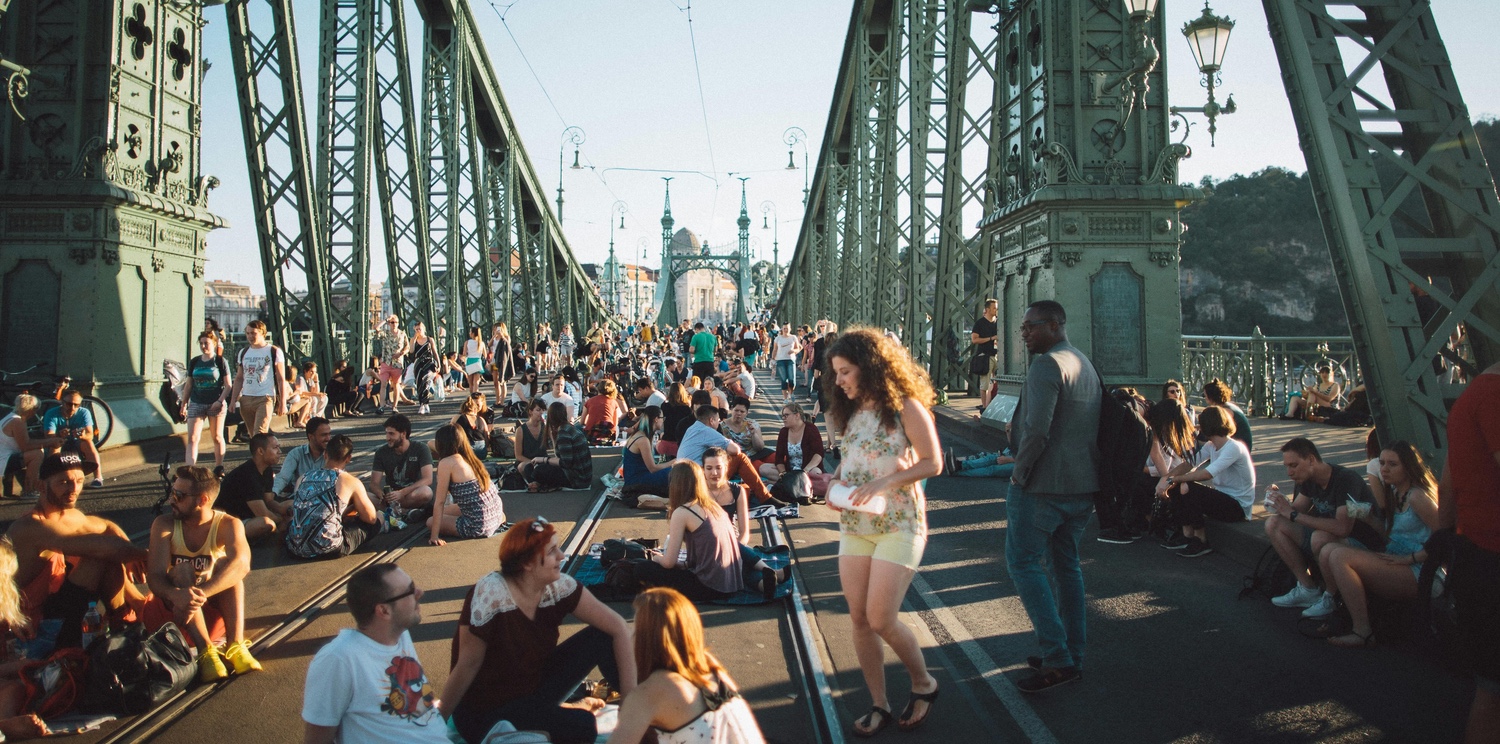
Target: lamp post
point(768, 208)
point(794, 136)
point(612, 267)
point(576, 136)
point(1208, 37)
point(640, 252)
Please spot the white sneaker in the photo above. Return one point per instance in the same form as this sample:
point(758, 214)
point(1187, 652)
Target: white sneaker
point(1325, 606)
point(1299, 596)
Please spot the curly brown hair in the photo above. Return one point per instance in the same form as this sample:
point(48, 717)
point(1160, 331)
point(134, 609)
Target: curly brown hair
point(1217, 392)
point(887, 375)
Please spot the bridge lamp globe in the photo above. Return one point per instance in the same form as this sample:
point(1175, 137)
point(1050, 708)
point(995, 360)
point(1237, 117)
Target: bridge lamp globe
point(1141, 9)
point(1208, 37)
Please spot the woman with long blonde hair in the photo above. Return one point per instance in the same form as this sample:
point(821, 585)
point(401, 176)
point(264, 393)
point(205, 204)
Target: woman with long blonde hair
point(685, 693)
point(13, 722)
point(718, 566)
point(476, 510)
point(501, 364)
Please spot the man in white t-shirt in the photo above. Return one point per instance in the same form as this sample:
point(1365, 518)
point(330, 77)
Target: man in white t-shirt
point(784, 350)
point(367, 685)
point(260, 386)
point(646, 393)
point(559, 393)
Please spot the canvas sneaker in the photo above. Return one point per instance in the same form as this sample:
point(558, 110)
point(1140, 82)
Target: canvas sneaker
point(1299, 596)
point(1195, 549)
point(1174, 540)
point(1326, 605)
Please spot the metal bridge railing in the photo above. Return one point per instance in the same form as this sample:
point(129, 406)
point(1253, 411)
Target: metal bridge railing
point(1262, 370)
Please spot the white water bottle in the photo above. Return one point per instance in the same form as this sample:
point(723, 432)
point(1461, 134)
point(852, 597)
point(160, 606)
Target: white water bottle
point(841, 496)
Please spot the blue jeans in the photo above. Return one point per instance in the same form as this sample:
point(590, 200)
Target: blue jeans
point(1039, 528)
point(984, 466)
point(786, 372)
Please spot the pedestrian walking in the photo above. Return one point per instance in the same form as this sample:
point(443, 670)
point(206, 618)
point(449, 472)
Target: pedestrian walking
point(501, 364)
point(260, 388)
point(424, 361)
point(391, 346)
point(879, 399)
point(1054, 432)
point(204, 404)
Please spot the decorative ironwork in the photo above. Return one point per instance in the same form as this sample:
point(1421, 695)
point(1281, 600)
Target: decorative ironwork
point(1263, 370)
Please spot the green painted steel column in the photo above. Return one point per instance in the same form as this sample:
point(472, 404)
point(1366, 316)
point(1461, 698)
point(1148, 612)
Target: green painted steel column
point(103, 204)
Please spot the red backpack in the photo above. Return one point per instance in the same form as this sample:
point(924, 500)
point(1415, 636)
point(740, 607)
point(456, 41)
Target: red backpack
point(53, 684)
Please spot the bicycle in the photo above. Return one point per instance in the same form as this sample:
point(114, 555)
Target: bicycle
point(49, 395)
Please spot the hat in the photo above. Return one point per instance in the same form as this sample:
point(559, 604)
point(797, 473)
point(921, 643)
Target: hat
point(63, 461)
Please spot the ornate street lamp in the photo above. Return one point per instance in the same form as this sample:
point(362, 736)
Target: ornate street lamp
point(576, 136)
point(612, 267)
point(794, 136)
point(767, 210)
point(1208, 37)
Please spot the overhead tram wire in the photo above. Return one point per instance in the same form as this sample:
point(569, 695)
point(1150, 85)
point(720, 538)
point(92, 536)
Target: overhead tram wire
point(703, 107)
point(495, 7)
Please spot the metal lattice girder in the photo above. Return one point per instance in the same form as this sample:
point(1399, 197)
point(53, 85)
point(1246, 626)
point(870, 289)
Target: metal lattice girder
point(1405, 195)
point(442, 73)
point(889, 236)
point(398, 179)
point(504, 241)
point(345, 117)
point(473, 224)
point(281, 175)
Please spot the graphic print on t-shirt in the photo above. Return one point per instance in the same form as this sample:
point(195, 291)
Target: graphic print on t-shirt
point(411, 695)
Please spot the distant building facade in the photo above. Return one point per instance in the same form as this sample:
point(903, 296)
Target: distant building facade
point(231, 305)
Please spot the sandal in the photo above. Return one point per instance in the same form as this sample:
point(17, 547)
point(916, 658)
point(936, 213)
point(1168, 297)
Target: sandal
point(880, 714)
point(1365, 640)
point(906, 723)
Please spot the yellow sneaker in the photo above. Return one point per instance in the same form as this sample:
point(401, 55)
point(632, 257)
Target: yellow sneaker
point(211, 666)
point(238, 655)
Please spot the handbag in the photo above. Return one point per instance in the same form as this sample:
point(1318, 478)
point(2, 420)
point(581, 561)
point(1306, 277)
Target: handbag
point(979, 361)
point(131, 672)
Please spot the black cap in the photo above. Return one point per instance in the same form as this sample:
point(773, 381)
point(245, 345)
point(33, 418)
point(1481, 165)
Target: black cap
point(64, 461)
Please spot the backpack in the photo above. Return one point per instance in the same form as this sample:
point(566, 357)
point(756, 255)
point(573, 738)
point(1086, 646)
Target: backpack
point(616, 550)
point(1124, 442)
point(52, 686)
point(1271, 577)
point(502, 445)
point(130, 672)
point(794, 488)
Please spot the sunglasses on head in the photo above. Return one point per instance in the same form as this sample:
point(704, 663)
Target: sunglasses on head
point(539, 524)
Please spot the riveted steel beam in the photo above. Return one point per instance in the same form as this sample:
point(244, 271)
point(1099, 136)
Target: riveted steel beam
point(267, 75)
point(1406, 206)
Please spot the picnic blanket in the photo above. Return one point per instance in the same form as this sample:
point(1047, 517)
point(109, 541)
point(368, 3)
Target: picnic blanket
point(591, 571)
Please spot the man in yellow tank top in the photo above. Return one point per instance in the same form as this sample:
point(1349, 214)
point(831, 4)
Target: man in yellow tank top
point(196, 569)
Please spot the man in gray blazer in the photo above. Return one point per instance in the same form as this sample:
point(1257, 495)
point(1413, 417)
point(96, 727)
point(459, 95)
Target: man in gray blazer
point(1054, 433)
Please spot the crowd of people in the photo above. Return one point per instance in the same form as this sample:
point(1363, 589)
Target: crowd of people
point(677, 402)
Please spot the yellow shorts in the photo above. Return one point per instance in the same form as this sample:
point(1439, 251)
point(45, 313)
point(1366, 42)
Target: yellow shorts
point(901, 548)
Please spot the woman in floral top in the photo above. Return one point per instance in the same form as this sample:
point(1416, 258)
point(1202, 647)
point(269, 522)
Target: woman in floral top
point(879, 398)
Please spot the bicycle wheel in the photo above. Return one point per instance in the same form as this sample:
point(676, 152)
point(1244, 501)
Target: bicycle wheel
point(104, 419)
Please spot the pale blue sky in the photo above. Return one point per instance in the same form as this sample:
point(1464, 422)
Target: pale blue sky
point(623, 71)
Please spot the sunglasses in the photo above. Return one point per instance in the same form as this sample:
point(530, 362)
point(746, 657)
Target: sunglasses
point(539, 524)
point(179, 495)
point(403, 595)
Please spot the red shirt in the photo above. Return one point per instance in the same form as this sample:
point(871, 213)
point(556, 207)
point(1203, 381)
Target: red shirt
point(1473, 440)
point(598, 409)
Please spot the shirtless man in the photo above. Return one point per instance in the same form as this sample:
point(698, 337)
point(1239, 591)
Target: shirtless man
point(67, 559)
point(185, 580)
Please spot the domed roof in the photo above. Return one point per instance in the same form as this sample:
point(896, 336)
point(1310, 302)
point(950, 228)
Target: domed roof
point(686, 242)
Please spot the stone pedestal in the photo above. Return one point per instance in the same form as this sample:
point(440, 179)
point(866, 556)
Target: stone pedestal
point(103, 210)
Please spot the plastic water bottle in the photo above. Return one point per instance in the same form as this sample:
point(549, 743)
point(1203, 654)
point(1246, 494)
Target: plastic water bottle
point(93, 624)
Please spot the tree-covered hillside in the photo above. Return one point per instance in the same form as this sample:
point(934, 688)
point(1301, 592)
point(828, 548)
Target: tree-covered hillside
point(1254, 255)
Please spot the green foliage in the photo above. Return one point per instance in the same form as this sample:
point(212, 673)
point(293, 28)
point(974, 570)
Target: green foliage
point(1255, 248)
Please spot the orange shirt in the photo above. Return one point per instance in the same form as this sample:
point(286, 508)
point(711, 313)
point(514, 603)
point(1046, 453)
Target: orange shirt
point(599, 409)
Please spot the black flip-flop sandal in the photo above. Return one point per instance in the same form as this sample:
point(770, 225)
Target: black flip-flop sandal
point(905, 723)
point(881, 714)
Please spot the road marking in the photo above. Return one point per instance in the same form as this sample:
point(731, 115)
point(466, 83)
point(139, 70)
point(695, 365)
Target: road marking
point(992, 673)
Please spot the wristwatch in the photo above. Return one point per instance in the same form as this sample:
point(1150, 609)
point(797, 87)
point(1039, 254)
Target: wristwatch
point(1294, 515)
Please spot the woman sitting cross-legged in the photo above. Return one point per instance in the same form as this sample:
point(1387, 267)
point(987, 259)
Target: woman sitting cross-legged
point(718, 566)
point(685, 694)
point(507, 664)
point(642, 473)
point(799, 446)
point(1225, 463)
point(570, 465)
point(476, 510)
point(1350, 572)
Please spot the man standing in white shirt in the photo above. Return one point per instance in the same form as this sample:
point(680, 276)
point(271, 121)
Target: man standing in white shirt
point(367, 684)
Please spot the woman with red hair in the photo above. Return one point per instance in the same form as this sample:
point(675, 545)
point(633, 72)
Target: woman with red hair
point(507, 664)
point(685, 693)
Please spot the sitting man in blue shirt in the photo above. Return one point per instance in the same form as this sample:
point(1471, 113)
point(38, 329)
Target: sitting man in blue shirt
point(75, 425)
point(704, 433)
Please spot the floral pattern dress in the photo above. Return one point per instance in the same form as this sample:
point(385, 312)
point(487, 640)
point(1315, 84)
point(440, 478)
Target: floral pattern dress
point(870, 452)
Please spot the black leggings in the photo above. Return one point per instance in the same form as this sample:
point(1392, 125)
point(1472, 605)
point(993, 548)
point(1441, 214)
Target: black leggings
point(1189, 509)
point(567, 666)
point(681, 578)
point(545, 475)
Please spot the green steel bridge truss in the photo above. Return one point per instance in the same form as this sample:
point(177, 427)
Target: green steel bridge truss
point(911, 159)
point(468, 236)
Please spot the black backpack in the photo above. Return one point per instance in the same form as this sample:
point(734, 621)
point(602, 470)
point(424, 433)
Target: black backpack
point(1124, 442)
